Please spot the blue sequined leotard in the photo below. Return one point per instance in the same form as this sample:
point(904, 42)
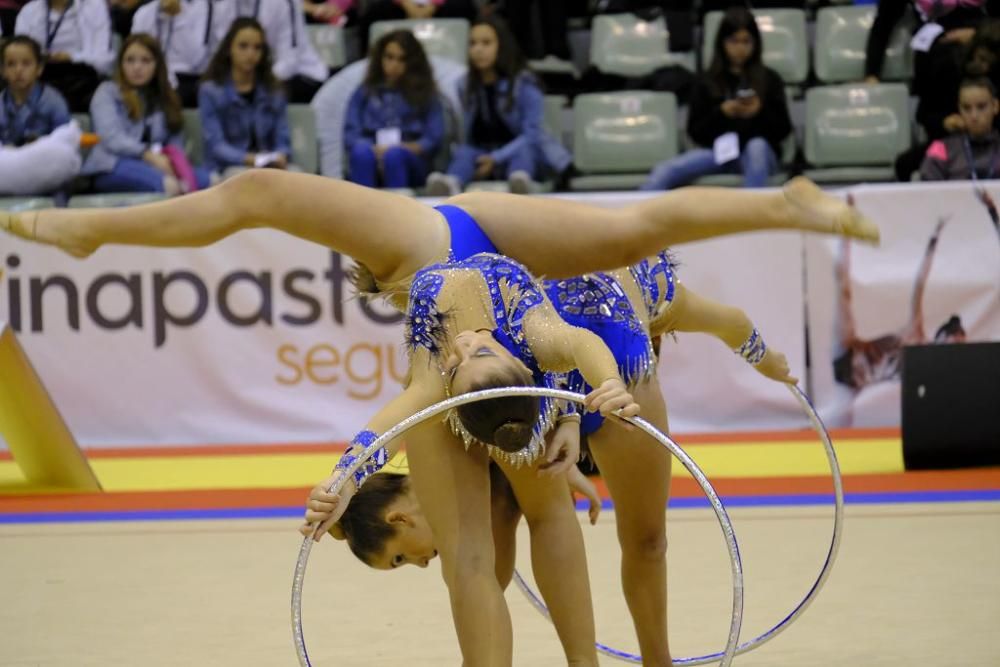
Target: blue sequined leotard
point(599, 303)
point(511, 292)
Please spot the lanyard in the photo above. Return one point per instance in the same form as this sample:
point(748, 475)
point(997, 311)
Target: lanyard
point(967, 145)
point(170, 34)
point(52, 31)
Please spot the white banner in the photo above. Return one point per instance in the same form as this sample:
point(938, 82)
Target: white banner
point(257, 339)
point(866, 303)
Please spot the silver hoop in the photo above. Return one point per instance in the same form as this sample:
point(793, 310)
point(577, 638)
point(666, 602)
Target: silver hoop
point(720, 511)
point(831, 555)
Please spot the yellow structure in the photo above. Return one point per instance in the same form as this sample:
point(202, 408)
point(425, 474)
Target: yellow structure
point(36, 434)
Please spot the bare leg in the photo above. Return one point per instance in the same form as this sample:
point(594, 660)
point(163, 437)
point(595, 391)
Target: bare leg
point(558, 238)
point(453, 488)
point(505, 517)
point(392, 235)
point(637, 473)
point(558, 559)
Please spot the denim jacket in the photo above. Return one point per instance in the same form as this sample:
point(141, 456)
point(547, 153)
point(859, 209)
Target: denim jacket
point(525, 120)
point(43, 111)
point(120, 135)
point(368, 112)
point(228, 121)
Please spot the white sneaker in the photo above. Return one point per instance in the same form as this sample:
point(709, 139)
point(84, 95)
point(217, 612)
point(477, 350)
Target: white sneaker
point(521, 183)
point(442, 185)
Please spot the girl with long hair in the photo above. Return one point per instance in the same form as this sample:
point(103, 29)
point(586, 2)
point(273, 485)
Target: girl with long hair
point(243, 111)
point(138, 116)
point(502, 111)
point(738, 114)
point(394, 123)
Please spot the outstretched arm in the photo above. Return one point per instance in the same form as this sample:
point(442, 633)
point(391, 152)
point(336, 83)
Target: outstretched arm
point(917, 299)
point(560, 346)
point(693, 312)
point(323, 509)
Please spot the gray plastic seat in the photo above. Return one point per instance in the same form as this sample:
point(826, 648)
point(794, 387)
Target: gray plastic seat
point(17, 204)
point(305, 144)
point(854, 132)
point(626, 45)
point(619, 137)
point(328, 40)
point(783, 33)
point(448, 38)
point(839, 48)
point(194, 140)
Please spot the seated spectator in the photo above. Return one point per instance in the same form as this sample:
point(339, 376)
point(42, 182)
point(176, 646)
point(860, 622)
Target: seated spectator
point(394, 123)
point(39, 143)
point(76, 38)
point(974, 152)
point(138, 118)
point(502, 108)
point(394, 10)
point(737, 107)
point(242, 108)
point(184, 29)
point(295, 61)
point(332, 12)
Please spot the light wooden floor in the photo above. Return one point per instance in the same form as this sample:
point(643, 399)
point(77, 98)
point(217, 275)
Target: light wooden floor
point(914, 585)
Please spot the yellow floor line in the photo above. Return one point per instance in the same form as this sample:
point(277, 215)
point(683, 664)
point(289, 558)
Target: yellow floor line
point(743, 460)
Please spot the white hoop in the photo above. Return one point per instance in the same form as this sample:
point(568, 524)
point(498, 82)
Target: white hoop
point(720, 511)
point(838, 519)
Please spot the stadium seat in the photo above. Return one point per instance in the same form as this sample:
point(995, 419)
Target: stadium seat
point(626, 45)
point(553, 119)
point(783, 32)
point(194, 141)
point(854, 132)
point(114, 199)
point(839, 48)
point(448, 38)
point(619, 137)
point(305, 144)
point(16, 204)
point(328, 41)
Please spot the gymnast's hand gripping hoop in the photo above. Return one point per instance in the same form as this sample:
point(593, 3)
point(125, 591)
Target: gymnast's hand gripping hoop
point(745, 647)
point(727, 654)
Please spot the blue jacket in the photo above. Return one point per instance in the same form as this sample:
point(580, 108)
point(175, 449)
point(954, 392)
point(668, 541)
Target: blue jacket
point(43, 111)
point(228, 121)
point(525, 120)
point(367, 113)
point(120, 135)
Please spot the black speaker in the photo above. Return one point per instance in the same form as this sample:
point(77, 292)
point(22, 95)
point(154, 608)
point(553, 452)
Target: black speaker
point(951, 405)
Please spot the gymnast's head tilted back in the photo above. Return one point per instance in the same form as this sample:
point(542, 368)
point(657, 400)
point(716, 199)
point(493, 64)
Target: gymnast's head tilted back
point(479, 362)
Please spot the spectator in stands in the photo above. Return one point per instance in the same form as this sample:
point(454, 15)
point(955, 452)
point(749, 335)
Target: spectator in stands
point(8, 15)
point(393, 10)
point(186, 32)
point(937, 110)
point(738, 108)
point(296, 64)
point(394, 123)
point(973, 152)
point(332, 12)
point(243, 111)
point(76, 38)
point(39, 144)
point(503, 133)
point(138, 118)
